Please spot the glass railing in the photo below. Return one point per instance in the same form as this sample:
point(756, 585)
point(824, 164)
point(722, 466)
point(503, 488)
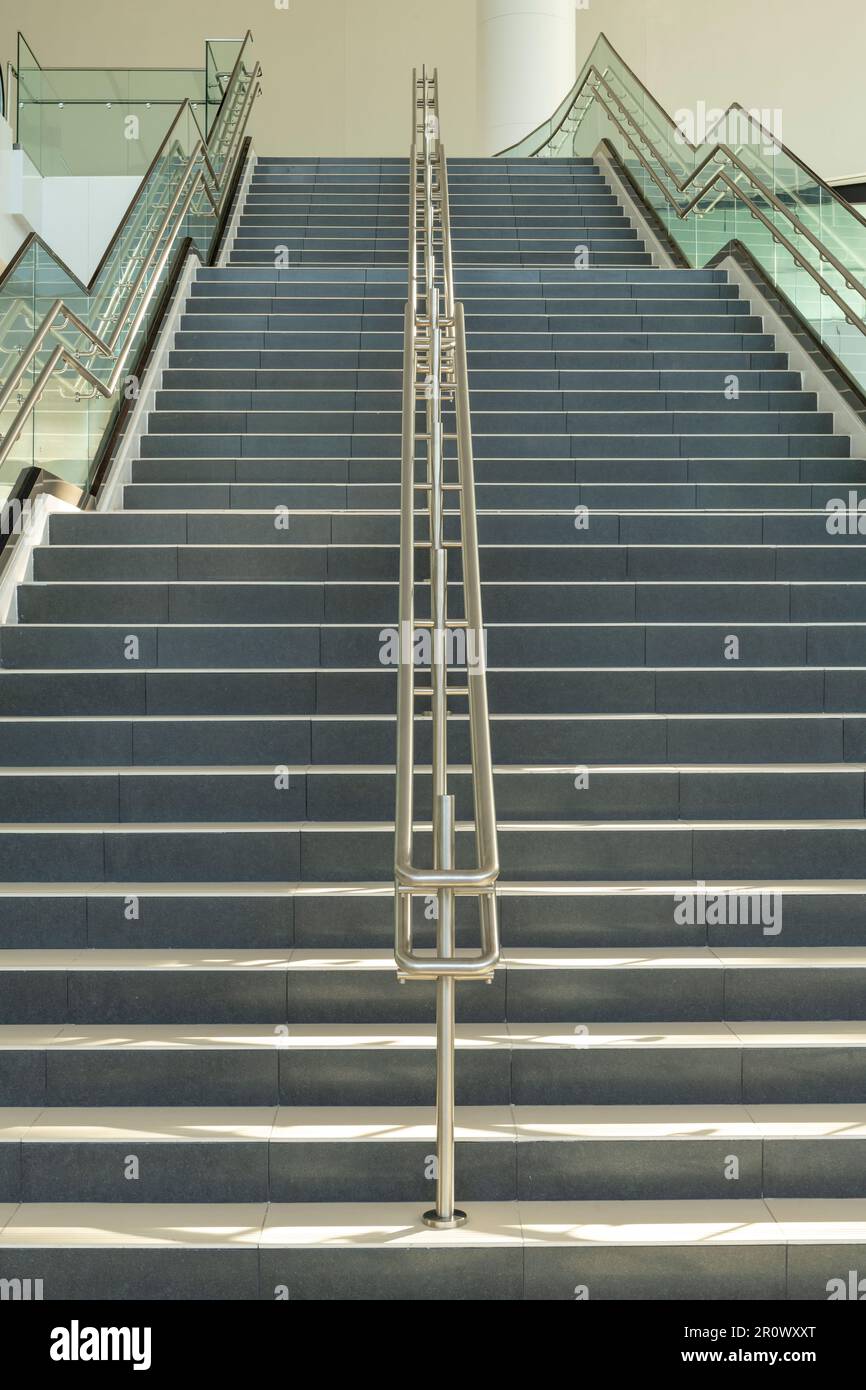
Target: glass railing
point(180, 197)
point(101, 121)
point(733, 180)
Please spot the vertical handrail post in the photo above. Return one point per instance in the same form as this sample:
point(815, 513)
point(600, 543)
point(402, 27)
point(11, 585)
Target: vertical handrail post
point(445, 1216)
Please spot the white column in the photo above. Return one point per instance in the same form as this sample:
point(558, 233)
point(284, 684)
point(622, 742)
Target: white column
point(526, 65)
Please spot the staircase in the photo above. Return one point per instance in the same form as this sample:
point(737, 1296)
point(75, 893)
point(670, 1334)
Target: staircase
point(212, 1084)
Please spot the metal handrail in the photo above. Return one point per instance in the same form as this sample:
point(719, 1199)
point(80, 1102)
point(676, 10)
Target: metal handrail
point(194, 179)
point(435, 371)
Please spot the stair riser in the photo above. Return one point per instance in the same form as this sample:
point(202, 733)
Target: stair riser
point(343, 562)
point(653, 854)
point(363, 1272)
point(302, 291)
point(541, 380)
point(773, 603)
point(319, 920)
point(278, 997)
point(609, 444)
point(300, 528)
point(42, 648)
point(282, 692)
point(607, 1076)
point(309, 1171)
point(549, 403)
point(333, 360)
point(526, 257)
point(364, 486)
point(564, 741)
point(363, 796)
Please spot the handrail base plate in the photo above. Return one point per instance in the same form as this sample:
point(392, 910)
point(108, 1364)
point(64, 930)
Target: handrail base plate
point(441, 1223)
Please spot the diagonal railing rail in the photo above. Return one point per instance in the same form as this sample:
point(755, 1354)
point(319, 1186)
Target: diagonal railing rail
point(436, 393)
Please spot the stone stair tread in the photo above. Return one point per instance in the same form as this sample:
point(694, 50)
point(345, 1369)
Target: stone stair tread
point(666, 1036)
point(402, 1124)
point(239, 1036)
point(308, 888)
point(397, 1225)
point(655, 1035)
point(371, 959)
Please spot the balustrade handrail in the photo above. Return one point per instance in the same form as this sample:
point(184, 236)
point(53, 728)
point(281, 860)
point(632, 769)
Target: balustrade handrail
point(435, 373)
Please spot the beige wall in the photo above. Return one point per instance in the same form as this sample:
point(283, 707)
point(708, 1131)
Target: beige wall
point(337, 71)
point(804, 57)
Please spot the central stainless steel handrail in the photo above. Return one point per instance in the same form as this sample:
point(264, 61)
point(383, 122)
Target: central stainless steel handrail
point(198, 177)
point(435, 371)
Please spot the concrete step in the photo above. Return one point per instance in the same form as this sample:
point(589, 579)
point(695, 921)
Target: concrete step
point(538, 1250)
point(356, 792)
point(48, 646)
point(375, 601)
point(685, 527)
point(378, 561)
point(624, 914)
point(142, 986)
point(669, 1063)
point(382, 1153)
point(240, 851)
point(523, 740)
point(196, 906)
